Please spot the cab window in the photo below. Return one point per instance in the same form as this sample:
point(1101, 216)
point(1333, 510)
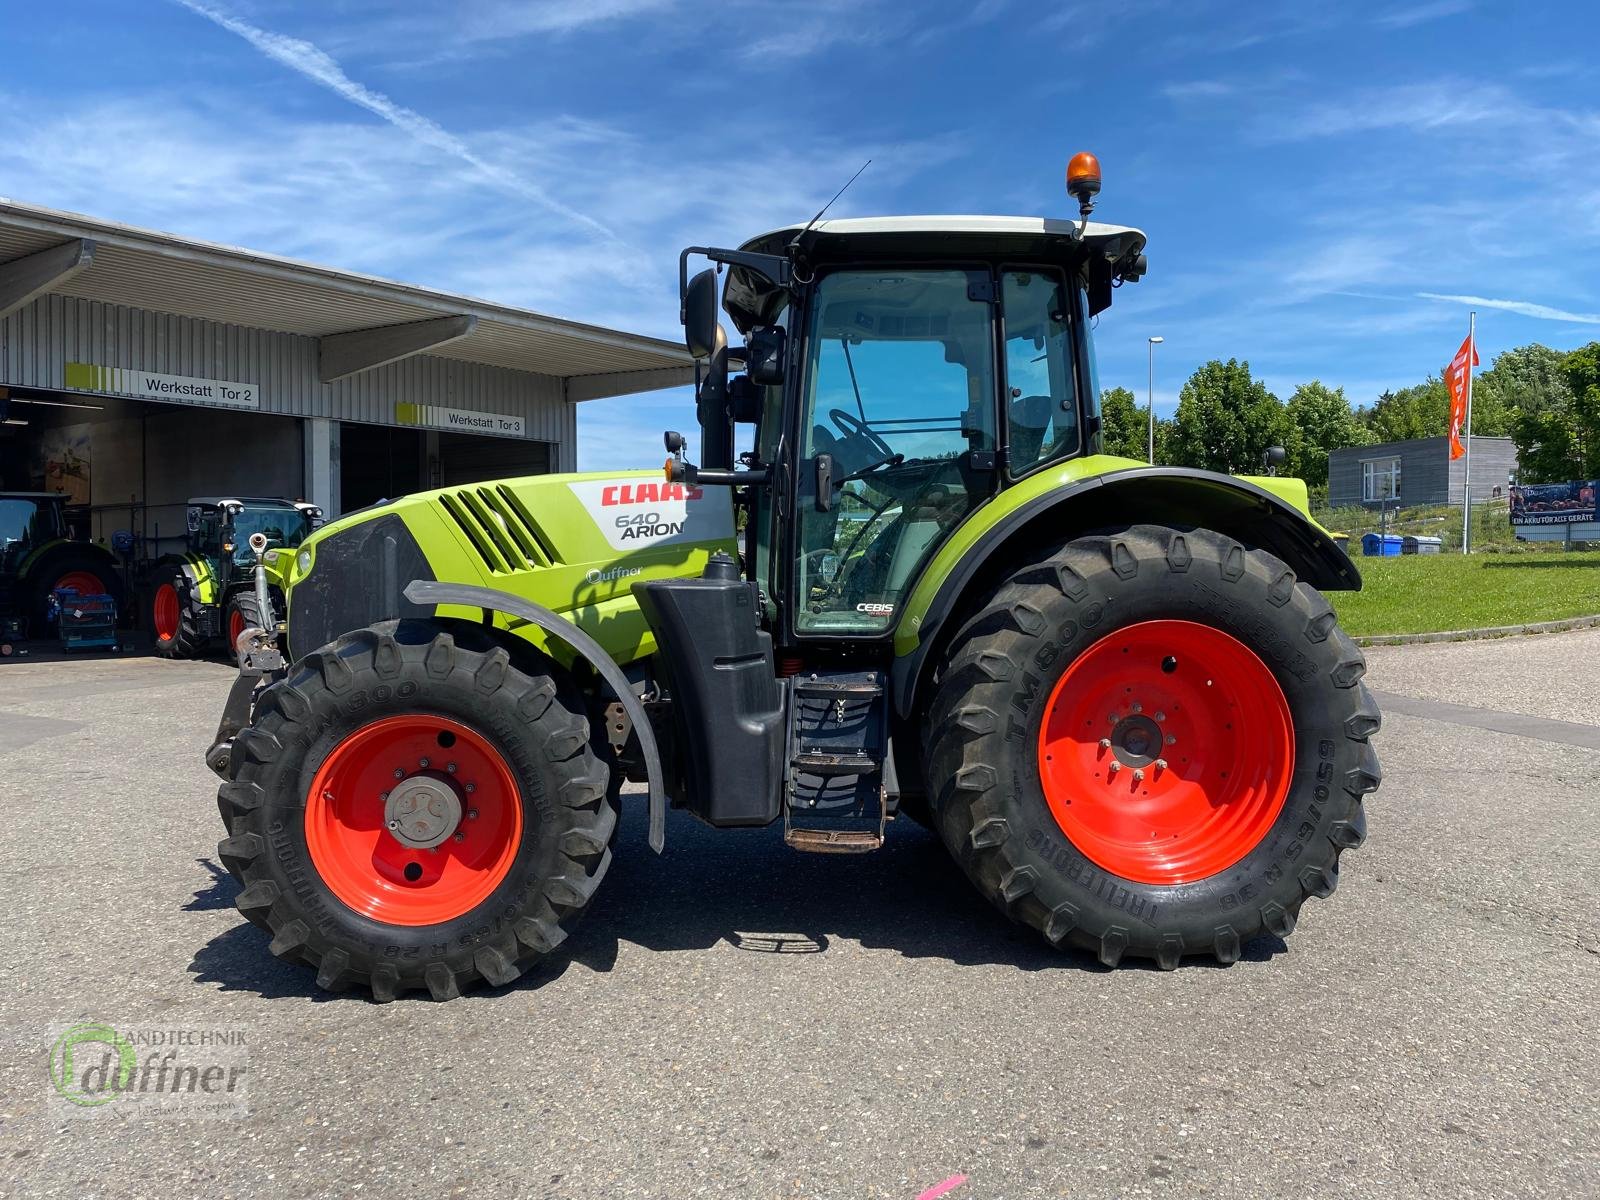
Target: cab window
point(899, 393)
point(1041, 400)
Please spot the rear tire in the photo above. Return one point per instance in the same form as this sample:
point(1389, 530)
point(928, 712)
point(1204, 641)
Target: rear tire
point(1023, 792)
point(473, 911)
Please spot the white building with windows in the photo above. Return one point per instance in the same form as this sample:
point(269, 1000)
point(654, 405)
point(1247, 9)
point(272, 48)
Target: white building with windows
point(1419, 472)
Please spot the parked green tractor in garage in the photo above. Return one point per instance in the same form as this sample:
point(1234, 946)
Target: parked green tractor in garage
point(207, 594)
point(38, 557)
point(1114, 690)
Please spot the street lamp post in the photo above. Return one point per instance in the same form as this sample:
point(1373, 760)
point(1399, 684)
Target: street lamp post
point(1150, 396)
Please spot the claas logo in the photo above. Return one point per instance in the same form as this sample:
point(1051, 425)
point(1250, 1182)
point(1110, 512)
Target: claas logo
point(647, 493)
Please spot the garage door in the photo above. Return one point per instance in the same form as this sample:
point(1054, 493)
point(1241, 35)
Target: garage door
point(466, 458)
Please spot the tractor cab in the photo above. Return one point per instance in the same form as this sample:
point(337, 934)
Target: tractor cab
point(898, 372)
point(220, 527)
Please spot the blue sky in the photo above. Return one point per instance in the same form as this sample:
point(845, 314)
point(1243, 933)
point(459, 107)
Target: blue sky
point(1327, 189)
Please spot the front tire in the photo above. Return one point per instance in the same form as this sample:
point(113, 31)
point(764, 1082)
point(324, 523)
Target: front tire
point(242, 612)
point(1153, 743)
point(175, 614)
point(345, 773)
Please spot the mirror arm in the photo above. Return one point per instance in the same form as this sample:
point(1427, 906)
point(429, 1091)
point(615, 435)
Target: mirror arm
point(774, 268)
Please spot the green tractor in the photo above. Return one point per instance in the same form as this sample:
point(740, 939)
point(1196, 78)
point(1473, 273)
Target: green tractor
point(38, 557)
point(1114, 690)
point(207, 594)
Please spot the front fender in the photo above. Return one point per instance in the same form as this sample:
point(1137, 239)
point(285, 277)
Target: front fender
point(1181, 496)
point(426, 592)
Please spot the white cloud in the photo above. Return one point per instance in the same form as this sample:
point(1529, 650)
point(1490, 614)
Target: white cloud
point(1405, 18)
point(1540, 312)
point(315, 64)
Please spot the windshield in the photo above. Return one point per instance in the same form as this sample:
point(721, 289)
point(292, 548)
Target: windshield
point(900, 391)
point(286, 527)
point(24, 525)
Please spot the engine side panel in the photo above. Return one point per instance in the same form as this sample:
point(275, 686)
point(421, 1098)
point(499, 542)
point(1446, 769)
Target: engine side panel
point(574, 544)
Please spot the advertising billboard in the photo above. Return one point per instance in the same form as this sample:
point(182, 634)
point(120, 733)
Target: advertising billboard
point(1570, 503)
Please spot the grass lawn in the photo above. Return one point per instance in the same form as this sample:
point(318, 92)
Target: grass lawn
point(1429, 593)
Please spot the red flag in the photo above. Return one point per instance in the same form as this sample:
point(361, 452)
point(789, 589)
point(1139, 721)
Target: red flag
point(1457, 377)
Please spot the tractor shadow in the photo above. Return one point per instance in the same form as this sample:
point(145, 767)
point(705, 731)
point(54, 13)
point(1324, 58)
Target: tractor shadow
point(742, 887)
point(746, 888)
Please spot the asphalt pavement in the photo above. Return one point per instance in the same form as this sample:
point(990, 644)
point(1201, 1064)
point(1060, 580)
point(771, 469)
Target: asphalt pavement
point(734, 1019)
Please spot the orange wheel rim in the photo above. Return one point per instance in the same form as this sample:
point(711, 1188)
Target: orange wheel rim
point(165, 612)
point(85, 583)
point(1166, 752)
point(235, 627)
point(364, 840)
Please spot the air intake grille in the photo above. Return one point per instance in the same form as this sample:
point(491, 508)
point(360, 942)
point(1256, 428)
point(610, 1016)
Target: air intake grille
point(499, 528)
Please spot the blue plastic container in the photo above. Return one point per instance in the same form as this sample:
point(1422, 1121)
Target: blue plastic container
point(1381, 545)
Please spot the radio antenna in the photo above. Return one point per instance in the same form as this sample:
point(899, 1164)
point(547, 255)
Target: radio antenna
point(829, 204)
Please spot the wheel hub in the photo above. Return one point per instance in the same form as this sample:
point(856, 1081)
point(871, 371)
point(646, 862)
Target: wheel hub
point(422, 811)
point(1136, 741)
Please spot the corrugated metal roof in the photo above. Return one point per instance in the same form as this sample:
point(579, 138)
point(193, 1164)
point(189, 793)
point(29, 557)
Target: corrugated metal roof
point(143, 268)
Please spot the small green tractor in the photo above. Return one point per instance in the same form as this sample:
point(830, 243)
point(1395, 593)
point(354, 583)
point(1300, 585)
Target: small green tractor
point(38, 557)
point(1114, 690)
point(207, 594)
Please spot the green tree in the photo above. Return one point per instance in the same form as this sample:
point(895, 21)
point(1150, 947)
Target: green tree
point(1528, 379)
point(1558, 432)
point(1423, 411)
point(1325, 422)
point(1124, 424)
point(1226, 420)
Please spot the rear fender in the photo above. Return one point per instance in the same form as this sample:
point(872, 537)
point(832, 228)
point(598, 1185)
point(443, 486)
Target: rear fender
point(427, 592)
point(1179, 496)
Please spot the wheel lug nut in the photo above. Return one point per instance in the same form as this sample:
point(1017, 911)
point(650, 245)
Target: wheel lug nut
point(1138, 776)
point(383, 797)
point(423, 764)
point(399, 773)
point(450, 768)
point(472, 814)
point(1138, 708)
point(471, 787)
point(1160, 716)
point(1105, 743)
point(1161, 764)
point(1171, 741)
point(461, 837)
point(1114, 767)
point(394, 824)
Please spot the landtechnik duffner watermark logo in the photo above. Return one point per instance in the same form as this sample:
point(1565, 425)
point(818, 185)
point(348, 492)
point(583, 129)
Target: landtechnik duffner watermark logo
point(148, 1070)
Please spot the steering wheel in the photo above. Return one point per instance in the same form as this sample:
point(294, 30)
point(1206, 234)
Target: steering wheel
point(853, 426)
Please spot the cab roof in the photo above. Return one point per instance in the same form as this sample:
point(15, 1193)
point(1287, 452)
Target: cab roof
point(1003, 234)
point(751, 300)
point(254, 501)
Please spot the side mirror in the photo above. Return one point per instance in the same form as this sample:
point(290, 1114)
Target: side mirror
point(712, 407)
point(699, 315)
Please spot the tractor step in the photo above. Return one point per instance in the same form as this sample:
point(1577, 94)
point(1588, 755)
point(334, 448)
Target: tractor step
point(838, 737)
point(835, 764)
point(833, 841)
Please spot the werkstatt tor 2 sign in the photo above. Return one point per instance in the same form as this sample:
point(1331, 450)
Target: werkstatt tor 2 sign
point(432, 416)
point(151, 385)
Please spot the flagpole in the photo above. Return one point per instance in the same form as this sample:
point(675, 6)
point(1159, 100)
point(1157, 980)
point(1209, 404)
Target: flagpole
point(1466, 491)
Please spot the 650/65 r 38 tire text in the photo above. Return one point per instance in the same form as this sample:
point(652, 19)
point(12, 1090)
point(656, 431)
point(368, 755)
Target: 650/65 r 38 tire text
point(405, 812)
point(1153, 742)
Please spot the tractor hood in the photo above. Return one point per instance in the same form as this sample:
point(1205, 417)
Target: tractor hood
point(574, 544)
